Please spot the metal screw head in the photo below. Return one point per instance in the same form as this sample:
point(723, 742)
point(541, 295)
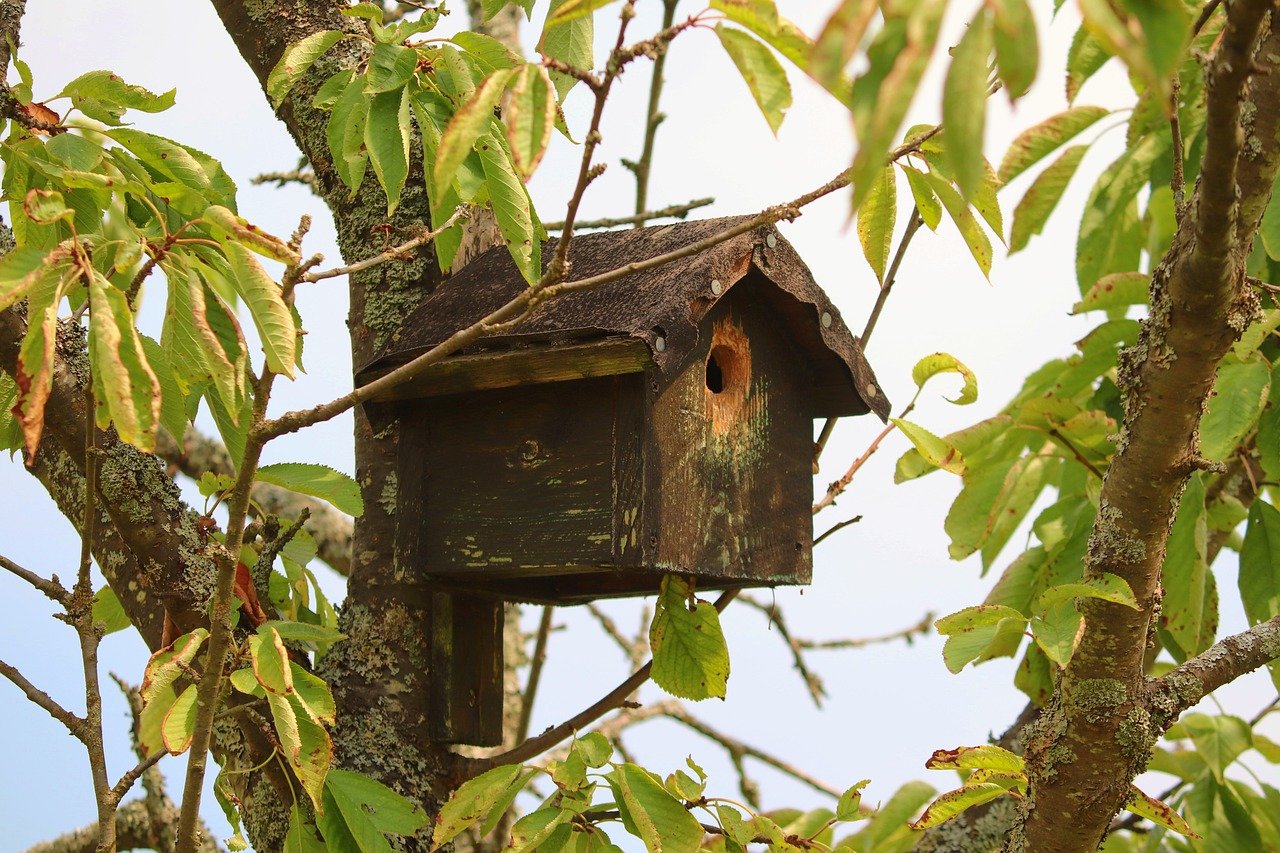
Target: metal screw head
point(771, 240)
point(716, 287)
point(871, 391)
point(660, 344)
point(826, 319)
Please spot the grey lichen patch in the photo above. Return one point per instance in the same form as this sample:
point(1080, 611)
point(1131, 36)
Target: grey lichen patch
point(1110, 543)
point(1098, 697)
point(1135, 737)
point(390, 492)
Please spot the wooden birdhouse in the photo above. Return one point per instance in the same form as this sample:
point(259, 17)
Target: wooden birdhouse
point(662, 422)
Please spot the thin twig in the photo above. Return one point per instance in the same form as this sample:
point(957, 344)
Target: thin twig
point(51, 588)
point(817, 692)
point(1177, 182)
point(538, 744)
point(674, 211)
point(74, 724)
point(395, 253)
point(1205, 14)
point(653, 115)
point(535, 673)
point(835, 528)
point(611, 628)
point(921, 628)
point(837, 488)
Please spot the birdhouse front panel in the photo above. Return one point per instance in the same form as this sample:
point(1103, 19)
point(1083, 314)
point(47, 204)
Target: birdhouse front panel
point(731, 444)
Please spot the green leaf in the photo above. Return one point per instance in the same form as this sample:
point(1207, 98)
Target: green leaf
point(941, 362)
point(761, 71)
point(887, 830)
point(108, 612)
point(229, 226)
point(179, 726)
point(391, 66)
point(952, 803)
point(468, 123)
point(926, 202)
point(1056, 631)
point(1157, 812)
point(306, 745)
point(971, 632)
point(570, 42)
point(303, 632)
point(1036, 143)
point(964, 105)
point(974, 237)
point(572, 9)
point(296, 60)
point(880, 97)
point(1101, 244)
point(1187, 606)
point(386, 139)
point(371, 810)
point(27, 267)
point(530, 116)
point(319, 481)
point(173, 399)
point(271, 662)
point(167, 664)
point(1117, 290)
point(839, 41)
point(189, 338)
point(489, 53)
point(532, 830)
point(936, 451)
point(126, 389)
point(1220, 739)
point(1240, 393)
point(1017, 46)
point(345, 134)
point(477, 800)
point(168, 158)
point(1042, 197)
point(876, 218)
point(595, 749)
point(985, 757)
point(650, 813)
point(1260, 563)
point(1109, 587)
point(45, 207)
point(690, 657)
point(302, 837)
point(106, 97)
point(849, 806)
point(246, 682)
point(512, 208)
point(266, 305)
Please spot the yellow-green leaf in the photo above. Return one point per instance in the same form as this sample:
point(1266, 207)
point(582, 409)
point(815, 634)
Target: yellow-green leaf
point(229, 225)
point(952, 803)
point(125, 387)
point(266, 305)
point(761, 71)
point(690, 657)
point(941, 362)
point(964, 105)
point(179, 725)
point(985, 757)
point(876, 219)
point(468, 123)
point(530, 116)
point(1158, 812)
point(512, 207)
point(386, 139)
point(296, 60)
point(934, 449)
point(271, 662)
point(1017, 46)
point(1034, 144)
point(1037, 205)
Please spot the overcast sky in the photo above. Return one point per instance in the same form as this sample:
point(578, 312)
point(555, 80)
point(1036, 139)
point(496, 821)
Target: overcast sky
point(889, 706)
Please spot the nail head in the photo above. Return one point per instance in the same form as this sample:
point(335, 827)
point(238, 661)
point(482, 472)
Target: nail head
point(716, 286)
point(660, 344)
point(771, 240)
point(871, 391)
point(826, 319)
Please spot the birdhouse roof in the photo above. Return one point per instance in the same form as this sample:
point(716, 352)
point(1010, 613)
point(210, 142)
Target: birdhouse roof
point(651, 315)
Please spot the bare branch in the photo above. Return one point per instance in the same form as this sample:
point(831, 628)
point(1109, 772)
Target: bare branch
point(774, 614)
point(535, 673)
point(52, 588)
point(74, 724)
point(675, 211)
point(653, 115)
point(921, 628)
point(1222, 663)
point(613, 699)
point(395, 253)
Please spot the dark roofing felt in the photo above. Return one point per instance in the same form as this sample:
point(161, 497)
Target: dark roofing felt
point(667, 301)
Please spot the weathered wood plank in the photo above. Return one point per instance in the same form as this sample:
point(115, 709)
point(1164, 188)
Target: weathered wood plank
point(509, 368)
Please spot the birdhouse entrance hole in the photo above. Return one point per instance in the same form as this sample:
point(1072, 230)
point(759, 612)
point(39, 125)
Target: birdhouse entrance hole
point(727, 373)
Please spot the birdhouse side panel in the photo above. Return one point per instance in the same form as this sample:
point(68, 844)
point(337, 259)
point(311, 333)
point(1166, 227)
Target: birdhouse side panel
point(518, 482)
point(730, 449)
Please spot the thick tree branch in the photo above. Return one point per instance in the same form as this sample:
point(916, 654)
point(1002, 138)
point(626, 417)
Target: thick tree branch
point(1097, 732)
point(1222, 663)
